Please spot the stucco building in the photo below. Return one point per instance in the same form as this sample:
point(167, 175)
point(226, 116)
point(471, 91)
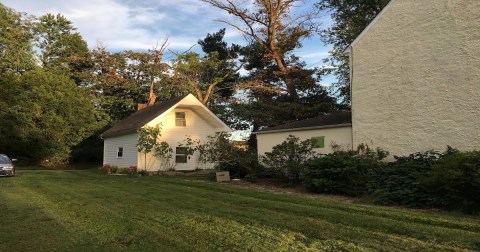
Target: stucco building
point(415, 77)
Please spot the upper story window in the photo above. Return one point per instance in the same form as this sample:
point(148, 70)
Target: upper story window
point(180, 119)
point(120, 152)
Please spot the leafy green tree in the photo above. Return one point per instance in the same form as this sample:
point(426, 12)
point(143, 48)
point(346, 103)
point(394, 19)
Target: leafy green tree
point(58, 42)
point(147, 141)
point(214, 46)
point(16, 38)
point(350, 18)
point(44, 115)
point(286, 159)
point(202, 75)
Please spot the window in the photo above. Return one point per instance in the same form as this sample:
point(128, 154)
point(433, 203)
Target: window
point(181, 155)
point(180, 119)
point(318, 142)
point(120, 152)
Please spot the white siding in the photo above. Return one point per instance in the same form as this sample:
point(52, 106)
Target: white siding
point(341, 136)
point(196, 127)
point(129, 144)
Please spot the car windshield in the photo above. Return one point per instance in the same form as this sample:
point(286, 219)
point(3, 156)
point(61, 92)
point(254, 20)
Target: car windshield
point(4, 160)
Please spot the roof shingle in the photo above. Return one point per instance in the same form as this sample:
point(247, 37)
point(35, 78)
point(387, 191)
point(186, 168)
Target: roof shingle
point(319, 121)
point(138, 119)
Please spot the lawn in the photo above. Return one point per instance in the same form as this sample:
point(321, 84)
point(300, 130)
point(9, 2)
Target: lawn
point(87, 210)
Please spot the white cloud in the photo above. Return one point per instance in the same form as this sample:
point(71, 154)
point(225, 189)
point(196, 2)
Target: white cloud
point(140, 24)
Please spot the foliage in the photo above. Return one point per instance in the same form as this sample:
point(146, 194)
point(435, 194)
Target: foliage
point(58, 43)
point(398, 183)
point(44, 115)
point(164, 153)
point(454, 181)
point(345, 172)
point(286, 159)
point(218, 150)
point(203, 75)
point(16, 54)
point(191, 146)
point(272, 26)
point(147, 141)
point(350, 18)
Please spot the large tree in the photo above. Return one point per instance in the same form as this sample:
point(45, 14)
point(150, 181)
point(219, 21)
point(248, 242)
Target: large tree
point(16, 38)
point(43, 116)
point(58, 43)
point(271, 25)
point(350, 18)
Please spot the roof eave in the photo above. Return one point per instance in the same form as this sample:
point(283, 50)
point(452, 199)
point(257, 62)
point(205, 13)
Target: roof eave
point(304, 128)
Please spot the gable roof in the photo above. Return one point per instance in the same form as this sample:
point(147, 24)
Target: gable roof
point(379, 15)
point(340, 119)
point(138, 119)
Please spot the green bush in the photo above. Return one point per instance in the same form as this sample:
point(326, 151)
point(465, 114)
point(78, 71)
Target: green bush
point(454, 182)
point(339, 174)
point(345, 172)
point(398, 182)
point(286, 159)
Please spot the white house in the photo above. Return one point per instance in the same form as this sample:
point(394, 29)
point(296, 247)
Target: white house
point(325, 132)
point(415, 77)
point(178, 118)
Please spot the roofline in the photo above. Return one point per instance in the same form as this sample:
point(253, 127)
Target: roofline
point(128, 132)
point(304, 128)
point(349, 48)
point(203, 106)
point(120, 133)
point(212, 114)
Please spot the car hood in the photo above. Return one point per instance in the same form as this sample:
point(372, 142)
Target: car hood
point(3, 165)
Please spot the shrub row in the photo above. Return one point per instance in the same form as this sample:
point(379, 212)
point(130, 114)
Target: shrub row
point(448, 180)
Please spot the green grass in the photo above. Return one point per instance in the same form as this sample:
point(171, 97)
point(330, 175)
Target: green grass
point(89, 211)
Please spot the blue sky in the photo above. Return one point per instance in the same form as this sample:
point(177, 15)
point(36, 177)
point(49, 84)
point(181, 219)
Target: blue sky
point(140, 24)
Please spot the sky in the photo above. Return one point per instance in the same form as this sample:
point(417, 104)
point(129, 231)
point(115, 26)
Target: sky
point(141, 24)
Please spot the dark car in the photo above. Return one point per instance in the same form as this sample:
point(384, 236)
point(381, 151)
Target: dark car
point(6, 166)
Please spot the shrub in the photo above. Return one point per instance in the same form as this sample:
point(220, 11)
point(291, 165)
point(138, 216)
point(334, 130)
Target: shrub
point(398, 182)
point(343, 172)
point(286, 159)
point(454, 182)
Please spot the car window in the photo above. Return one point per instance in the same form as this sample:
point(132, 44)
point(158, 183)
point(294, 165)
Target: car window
point(4, 160)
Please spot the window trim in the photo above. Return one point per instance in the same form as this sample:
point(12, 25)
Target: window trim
point(179, 121)
point(315, 143)
point(183, 155)
point(120, 151)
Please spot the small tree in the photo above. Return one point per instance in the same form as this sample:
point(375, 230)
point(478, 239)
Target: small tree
point(164, 153)
point(147, 141)
point(287, 158)
point(218, 150)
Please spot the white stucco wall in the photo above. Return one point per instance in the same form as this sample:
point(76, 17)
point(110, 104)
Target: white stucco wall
point(196, 127)
point(129, 144)
point(341, 136)
point(416, 77)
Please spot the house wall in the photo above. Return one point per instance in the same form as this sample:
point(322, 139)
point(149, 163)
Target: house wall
point(129, 144)
point(341, 136)
point(416, 77)
point(196, 127)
